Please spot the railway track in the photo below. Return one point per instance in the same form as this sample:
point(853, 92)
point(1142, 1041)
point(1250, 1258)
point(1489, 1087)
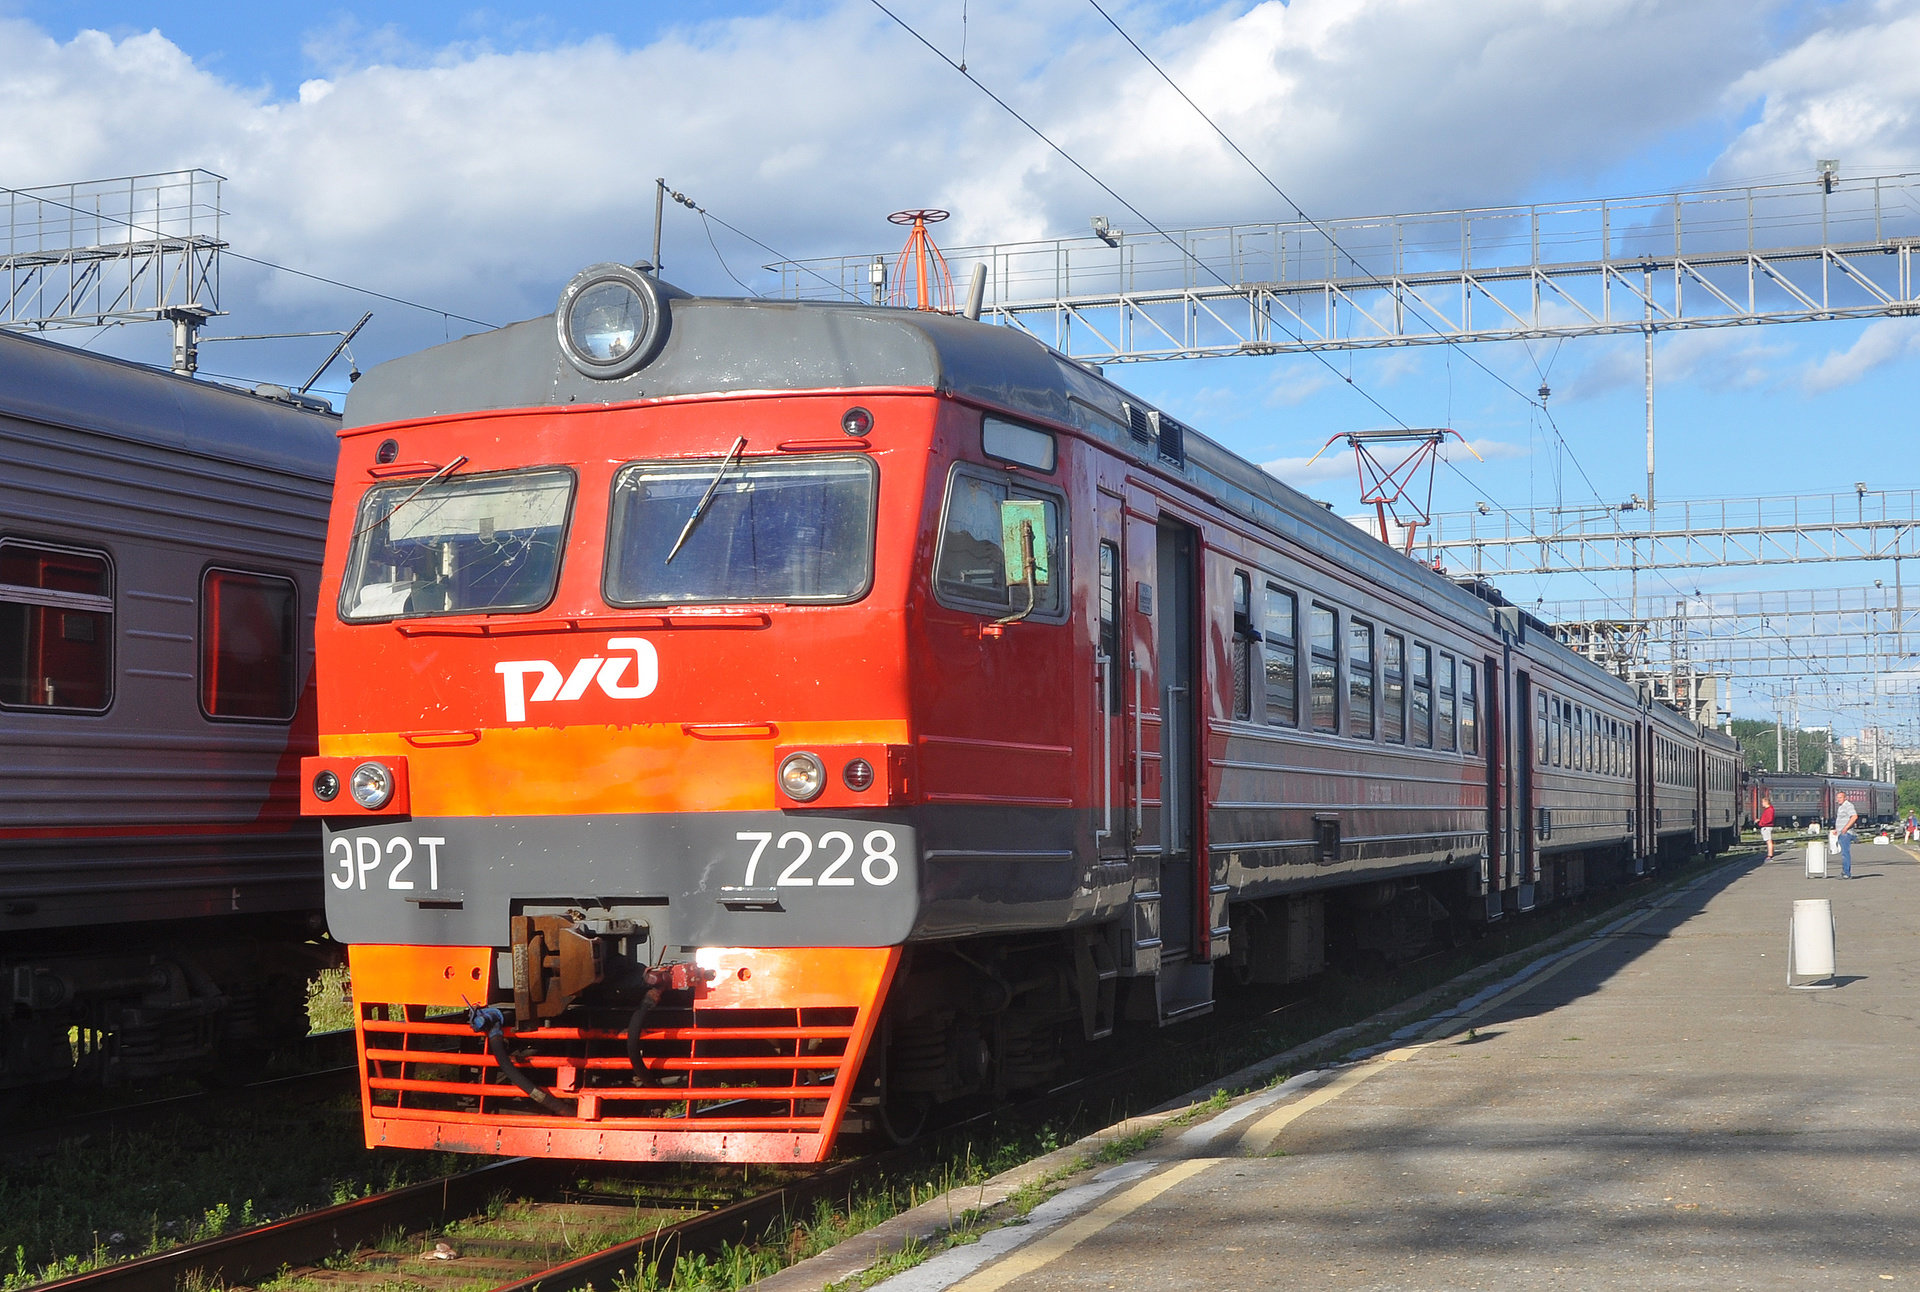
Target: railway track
point(523, 1223)
point(28, 1130)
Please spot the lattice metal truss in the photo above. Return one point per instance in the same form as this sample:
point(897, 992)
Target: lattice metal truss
point(1779, 253)
point(1866, 525)
point(1804, 633)
point(112, 251)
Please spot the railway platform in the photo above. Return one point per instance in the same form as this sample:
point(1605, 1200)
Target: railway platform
point(1650, 1107)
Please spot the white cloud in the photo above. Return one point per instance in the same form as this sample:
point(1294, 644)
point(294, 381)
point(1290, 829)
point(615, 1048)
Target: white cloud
point(1877, 345)
point(1849, 91)
point(1719, 359)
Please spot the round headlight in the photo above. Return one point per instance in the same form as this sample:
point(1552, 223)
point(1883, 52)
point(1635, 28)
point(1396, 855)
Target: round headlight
point(371, 786)
point(610, 320)
point(802, 776)
point(858, 775)
point(326, 787)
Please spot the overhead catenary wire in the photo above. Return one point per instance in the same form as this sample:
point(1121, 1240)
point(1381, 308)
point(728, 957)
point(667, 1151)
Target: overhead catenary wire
point(1135, 211)
point(1323, 231)
point(265, 264)
point(683, 200)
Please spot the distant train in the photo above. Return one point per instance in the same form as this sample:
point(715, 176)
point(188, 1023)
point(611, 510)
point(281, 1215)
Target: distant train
point(160, 543)
point(1806, 800)
point(742, 720)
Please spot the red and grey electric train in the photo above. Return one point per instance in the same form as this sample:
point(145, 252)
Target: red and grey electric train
point(740, 719)
point(1808, 799)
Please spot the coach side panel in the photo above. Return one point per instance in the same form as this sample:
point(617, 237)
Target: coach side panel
point(126, 798)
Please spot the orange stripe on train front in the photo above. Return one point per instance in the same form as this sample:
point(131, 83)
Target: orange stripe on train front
point(646, 767)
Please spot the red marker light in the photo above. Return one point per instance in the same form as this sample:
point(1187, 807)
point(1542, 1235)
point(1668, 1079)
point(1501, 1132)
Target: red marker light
point(856, 422)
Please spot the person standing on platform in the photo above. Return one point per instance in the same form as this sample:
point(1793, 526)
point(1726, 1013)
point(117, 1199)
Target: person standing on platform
point(1844, 815)
point(1766, 824)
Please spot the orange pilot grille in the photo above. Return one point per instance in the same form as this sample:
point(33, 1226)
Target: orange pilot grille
point(766, 1083)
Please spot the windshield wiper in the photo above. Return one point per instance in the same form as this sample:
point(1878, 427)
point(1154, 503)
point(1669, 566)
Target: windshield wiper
point(700, 508)
point(437, 476)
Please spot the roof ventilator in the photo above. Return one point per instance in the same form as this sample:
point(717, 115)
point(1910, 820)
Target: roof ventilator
point(1140, 422)
point(1173, 439)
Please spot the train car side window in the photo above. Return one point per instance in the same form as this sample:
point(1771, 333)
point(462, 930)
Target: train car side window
point(1323, 670)
point(56, 628)
point(1281, 648)
point(970, 571)
point(1110, 621)
point(1242, 645)
point(1443, 712)
point(460, 545)
point(1559, 725)
point(249, 653)
point(1543, 737)
point(1469, 711)
point(1423, 695)
point(1393, 688)
point(1359, 680)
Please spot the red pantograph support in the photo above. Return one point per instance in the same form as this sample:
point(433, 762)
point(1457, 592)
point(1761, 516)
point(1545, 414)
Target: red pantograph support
point(1386, 488)
point(933, 284)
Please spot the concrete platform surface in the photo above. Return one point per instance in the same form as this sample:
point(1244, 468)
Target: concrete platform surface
point(1654, 1109)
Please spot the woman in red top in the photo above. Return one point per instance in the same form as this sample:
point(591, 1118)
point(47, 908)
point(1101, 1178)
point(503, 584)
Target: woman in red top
point(1766, 824)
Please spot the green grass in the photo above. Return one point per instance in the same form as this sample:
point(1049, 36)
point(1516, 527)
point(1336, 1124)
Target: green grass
point(329, 1001)
point(102, 1199)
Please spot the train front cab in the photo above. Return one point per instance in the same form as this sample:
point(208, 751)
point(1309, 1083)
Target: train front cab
point(620, 843)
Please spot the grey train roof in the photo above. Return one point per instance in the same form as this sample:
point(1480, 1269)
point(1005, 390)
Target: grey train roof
point(58, 385)
point(723, 344)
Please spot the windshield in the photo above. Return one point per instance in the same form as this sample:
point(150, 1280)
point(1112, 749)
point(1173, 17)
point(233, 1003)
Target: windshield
point(458, 546)
point(775, 530)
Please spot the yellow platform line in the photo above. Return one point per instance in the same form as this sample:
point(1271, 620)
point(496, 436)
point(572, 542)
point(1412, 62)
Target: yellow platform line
point(1259, 1136)
point(1070, 1235)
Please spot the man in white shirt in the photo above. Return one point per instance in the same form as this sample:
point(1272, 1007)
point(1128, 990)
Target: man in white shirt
point(1844, 815)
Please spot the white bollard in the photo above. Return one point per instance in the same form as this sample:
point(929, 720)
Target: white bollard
point(1810, 945)
point(1816, 859)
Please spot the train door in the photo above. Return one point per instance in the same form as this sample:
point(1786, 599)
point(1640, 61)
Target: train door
point(1700, 766)
point(1179, 781)
point(1112, 674)
point(1494, 742)
point(1529, 707)
point(1643, 796)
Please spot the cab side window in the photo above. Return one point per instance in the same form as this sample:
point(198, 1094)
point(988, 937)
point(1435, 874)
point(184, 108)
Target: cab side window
point(970, 572)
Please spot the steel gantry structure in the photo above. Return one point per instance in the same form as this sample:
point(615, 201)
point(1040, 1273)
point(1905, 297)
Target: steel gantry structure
point(1796, 529)
point(124, 250)
point(1772, 253)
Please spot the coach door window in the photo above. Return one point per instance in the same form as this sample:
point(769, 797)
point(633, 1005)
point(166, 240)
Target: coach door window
point(1443, 706)
point(1360, 680)
point(1423, 695)
point(248, 656)
point(1324, 670)
point(1110, 621)
point(1281, 647)
point(1242, 646)
point(1393, 688)
point(56, 628)
point(970, 573)
point(1469, 712)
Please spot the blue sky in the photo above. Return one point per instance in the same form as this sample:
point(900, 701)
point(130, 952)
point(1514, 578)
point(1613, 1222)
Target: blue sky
point(470, 157)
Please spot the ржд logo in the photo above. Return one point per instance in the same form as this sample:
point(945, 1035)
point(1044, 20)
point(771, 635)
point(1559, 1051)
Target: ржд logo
point(607, 670)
